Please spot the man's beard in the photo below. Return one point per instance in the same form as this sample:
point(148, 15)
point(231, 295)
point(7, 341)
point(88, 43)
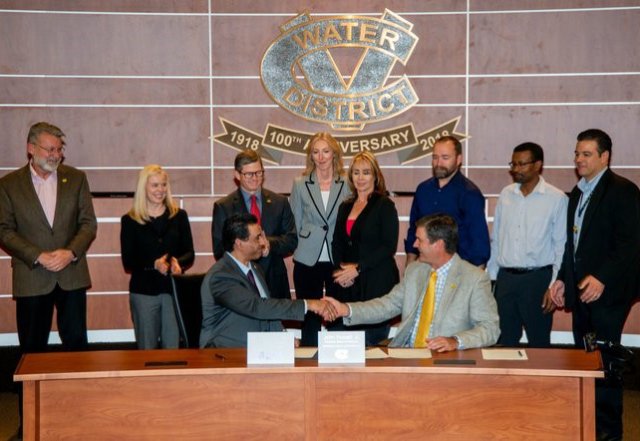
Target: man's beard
point(45, 164)
point(443, 172)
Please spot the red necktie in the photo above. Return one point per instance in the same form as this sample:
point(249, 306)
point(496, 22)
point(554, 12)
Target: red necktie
point(254, 207)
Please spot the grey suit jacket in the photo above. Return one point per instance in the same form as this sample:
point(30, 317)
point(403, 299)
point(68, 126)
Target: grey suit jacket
point(25, 231)
point(231, 307)
point(315, 223)
point(279, 226)
point(467, 308)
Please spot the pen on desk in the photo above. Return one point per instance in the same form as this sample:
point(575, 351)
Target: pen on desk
point(220, 357)
point(520, 354)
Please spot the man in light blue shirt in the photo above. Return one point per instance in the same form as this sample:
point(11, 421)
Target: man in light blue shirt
point(529, 234)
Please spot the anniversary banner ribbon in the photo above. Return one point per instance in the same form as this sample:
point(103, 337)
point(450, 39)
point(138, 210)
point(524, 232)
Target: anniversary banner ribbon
point(402, 140)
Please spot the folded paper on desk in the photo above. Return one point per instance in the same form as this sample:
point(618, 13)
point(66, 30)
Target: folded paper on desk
point(504, 354)
point(409, 353)
point(306, 352)
point(375, 354)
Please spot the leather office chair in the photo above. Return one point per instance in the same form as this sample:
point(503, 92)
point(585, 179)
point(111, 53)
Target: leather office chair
point(188, 306)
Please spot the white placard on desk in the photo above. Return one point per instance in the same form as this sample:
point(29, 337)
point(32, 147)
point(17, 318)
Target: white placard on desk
point(341, 347)
point(270, 348)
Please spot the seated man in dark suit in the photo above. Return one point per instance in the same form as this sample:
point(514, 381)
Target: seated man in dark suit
point(235, 296)
point(445, 302)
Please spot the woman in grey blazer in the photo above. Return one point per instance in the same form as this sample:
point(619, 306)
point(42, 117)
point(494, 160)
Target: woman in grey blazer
point(315, 198)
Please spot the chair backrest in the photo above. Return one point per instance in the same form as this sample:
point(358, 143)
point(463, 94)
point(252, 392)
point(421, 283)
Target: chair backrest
point(188, 307)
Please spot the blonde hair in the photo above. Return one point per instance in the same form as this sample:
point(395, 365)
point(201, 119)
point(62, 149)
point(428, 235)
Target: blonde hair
point(338, 165)
point(139, 211)
point(379, 185)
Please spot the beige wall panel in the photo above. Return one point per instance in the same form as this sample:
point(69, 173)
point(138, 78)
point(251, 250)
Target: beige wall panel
point(555, 89)
point(515, 5)
point(202, 264)
point(112, 207)
point(107, 240)
point(108, 312)
point(201, 232)
point(126, 91)
point(199, 206)
point(183, 181)
point(107, 274)
point(91, 44)
point(497, 130)
point(333, 6)
point(99, 137)
point(7, 315)
point(546, 42)
point(174, 6)
point(5, 276)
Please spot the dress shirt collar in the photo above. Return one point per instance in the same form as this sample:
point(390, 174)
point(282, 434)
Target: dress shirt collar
point(246, 196)
point(539, 188)
point(587, 186)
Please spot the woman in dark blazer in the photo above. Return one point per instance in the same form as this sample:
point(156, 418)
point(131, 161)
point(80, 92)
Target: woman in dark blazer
point(315, 198)
point(156, 241)
point(366, 239)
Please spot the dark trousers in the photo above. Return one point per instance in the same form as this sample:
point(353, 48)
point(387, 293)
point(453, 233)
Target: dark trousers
point(35, 314)
point(311, 282)
point(607, 322)
point(519, 298)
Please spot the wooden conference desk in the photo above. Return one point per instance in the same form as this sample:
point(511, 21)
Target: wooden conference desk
point(212, 395)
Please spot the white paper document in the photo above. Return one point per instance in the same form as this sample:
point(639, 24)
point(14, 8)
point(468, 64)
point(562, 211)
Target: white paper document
point(504, 354)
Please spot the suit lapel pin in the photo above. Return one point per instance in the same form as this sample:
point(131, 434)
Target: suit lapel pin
point(64, 180)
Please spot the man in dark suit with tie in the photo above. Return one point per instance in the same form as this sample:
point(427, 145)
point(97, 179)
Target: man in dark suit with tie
point(235, 296)
point(598, 276)
point(273, 213)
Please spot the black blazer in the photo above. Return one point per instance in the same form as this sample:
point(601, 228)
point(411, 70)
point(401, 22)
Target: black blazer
point(609, 244)
point(142, 244)
point(372, 245)
point(279, 227)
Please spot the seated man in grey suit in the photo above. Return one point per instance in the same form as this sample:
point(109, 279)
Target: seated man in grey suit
point(445, 302)
point(235, 297)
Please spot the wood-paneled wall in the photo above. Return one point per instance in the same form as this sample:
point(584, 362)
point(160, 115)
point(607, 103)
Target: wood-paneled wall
point(135, 82)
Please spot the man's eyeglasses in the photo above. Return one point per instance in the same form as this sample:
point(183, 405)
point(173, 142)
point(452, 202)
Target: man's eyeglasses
point(520, 164)
point(50, 150)
point(256, 174)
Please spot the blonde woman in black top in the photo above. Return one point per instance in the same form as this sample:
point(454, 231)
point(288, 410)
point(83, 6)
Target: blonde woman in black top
point(156, 241)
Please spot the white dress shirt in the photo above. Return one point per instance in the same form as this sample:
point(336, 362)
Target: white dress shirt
point(529, 231)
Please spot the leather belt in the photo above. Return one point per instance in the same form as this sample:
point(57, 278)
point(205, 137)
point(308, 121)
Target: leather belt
point(519, 271)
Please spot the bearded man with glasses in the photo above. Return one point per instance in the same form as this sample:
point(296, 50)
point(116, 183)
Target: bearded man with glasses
point(274, 216)
point(47, 223)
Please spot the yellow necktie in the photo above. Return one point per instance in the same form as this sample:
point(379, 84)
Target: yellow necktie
point(426, 315)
